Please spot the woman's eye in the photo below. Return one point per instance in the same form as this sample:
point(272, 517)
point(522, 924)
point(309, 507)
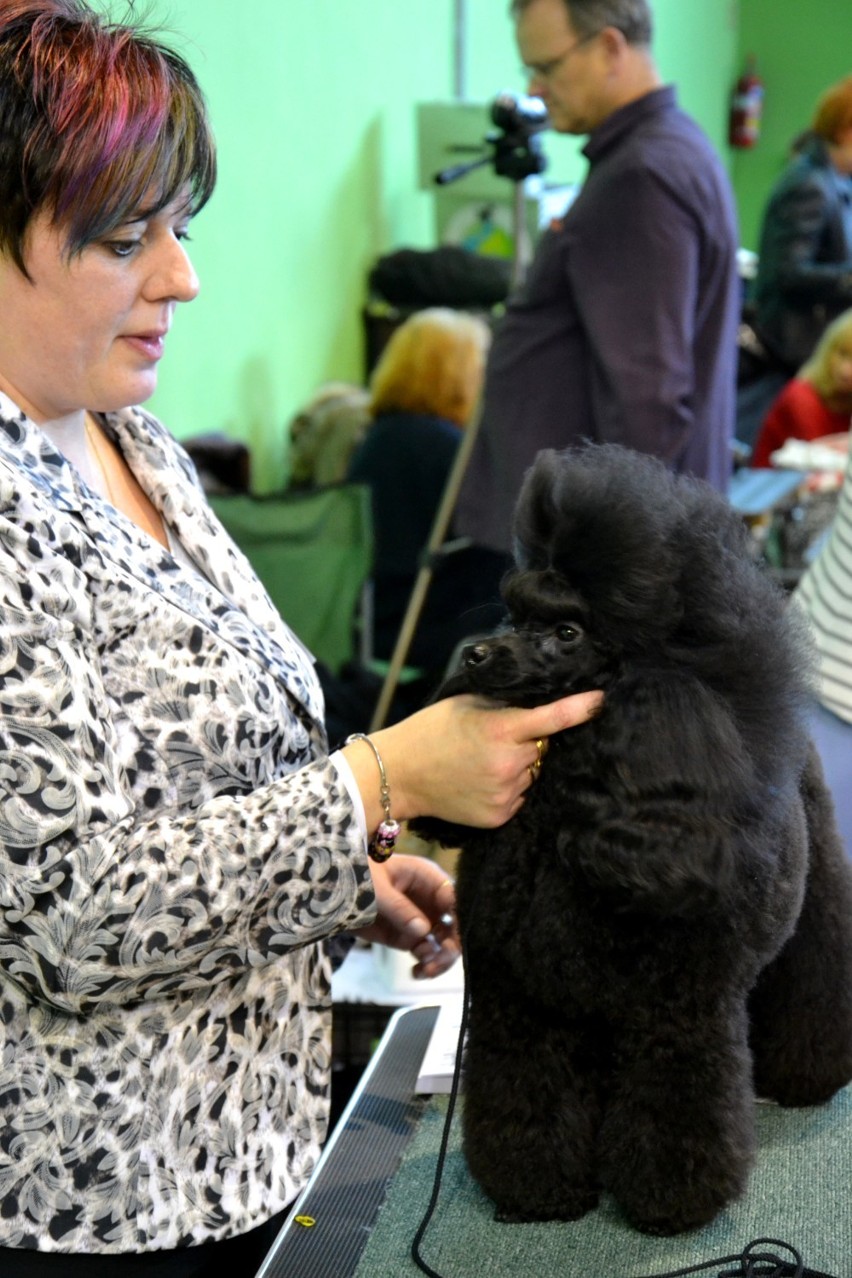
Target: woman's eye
point(567, 634)
point(122, 248)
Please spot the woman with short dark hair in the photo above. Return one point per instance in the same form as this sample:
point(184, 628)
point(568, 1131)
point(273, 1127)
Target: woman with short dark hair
point(177, 847)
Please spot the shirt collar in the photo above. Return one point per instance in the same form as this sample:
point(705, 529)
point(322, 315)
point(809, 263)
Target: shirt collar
point(625, 118)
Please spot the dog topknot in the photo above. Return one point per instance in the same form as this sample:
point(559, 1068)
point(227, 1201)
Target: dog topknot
point(666, 569)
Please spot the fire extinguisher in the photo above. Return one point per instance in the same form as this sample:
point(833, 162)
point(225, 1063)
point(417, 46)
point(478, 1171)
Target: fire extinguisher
point(746, 108)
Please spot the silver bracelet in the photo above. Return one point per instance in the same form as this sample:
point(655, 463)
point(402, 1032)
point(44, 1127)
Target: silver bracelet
point(381, 846)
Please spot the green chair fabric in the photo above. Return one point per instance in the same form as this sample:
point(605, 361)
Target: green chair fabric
point(313, 552)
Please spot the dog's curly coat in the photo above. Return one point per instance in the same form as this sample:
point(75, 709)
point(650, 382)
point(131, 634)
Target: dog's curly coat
point(665, 928)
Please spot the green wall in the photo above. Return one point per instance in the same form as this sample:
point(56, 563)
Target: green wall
point(801, 48)
point(313, 106)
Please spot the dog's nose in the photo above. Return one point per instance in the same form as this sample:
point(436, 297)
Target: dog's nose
point(476, 654)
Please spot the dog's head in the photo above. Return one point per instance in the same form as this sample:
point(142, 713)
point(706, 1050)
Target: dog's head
point(549, 650)
point(622, 565)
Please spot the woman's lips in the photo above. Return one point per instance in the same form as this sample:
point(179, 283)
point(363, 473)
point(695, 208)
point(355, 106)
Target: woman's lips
point(148, 344)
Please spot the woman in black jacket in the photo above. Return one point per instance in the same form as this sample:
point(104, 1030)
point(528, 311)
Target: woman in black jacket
point(804, 277)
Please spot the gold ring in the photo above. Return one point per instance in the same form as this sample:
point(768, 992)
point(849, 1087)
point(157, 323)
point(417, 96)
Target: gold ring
point(542, 745)
point(533, 769)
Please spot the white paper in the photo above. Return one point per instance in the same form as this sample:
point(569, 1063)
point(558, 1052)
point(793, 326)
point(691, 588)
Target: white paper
point(439, 1059)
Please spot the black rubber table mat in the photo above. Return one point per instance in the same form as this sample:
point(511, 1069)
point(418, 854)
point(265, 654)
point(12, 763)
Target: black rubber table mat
point(351, 1180)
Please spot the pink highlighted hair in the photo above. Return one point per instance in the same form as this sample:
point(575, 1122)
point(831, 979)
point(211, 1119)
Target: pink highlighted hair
point(99, 123)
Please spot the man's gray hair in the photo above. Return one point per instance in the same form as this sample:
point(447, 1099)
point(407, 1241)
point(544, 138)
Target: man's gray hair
point(631, 17)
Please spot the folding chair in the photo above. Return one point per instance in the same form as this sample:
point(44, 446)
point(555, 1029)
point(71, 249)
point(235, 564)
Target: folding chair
point(312, 550)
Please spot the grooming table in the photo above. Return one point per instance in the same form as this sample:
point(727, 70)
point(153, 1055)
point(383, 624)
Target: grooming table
point(374, 1183)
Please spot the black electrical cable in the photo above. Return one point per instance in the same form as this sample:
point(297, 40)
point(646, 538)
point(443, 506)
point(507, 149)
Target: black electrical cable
point(445, 1140)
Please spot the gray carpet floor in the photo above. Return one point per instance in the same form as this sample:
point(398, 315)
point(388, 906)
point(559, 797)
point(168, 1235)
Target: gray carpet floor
point(800, 1192)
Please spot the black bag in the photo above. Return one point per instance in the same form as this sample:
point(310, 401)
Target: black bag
point(446, 276)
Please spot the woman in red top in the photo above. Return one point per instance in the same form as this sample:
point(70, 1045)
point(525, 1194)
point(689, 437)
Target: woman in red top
point(818, 401)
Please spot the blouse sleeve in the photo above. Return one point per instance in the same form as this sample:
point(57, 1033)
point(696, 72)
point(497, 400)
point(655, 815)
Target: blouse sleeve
point(777, 426)
point(798, 412)
point(107, 898)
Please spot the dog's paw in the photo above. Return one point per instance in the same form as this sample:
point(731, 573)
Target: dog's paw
point(563, 1207)
point(676, 1208)
point(804, 1091)
point(665, 1226)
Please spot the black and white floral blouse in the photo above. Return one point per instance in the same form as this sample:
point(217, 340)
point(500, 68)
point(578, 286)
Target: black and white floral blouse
point(173, 845)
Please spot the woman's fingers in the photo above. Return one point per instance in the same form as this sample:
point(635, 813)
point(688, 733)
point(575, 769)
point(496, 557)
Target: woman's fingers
point(469, 761)
point(569, 712)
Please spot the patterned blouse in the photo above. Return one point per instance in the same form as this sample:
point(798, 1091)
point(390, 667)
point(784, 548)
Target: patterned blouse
point(174, 844)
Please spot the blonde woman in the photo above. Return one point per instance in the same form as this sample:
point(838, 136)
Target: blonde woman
point(423, 393)
point(818, 401)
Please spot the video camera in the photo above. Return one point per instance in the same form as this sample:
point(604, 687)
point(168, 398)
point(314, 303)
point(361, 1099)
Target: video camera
point(518, 113)
point(516, 150)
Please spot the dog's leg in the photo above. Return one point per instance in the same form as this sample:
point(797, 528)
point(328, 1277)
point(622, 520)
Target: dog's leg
point(801, 1007)
point(677, 1137)
point(530, 1114)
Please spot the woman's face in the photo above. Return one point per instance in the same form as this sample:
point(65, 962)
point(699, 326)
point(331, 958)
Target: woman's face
point(87, 332)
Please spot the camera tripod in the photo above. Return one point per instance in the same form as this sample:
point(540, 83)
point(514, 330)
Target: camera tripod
point(515, 154)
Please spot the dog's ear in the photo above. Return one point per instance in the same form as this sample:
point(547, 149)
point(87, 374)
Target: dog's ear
point(664, 841)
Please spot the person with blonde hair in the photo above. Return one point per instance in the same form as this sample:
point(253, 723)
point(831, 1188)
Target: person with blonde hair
point(432, 366)
point(323, 435)
point(818, 401)
point(423, 392)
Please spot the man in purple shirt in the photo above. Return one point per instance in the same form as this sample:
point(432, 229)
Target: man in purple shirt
point(625, 328)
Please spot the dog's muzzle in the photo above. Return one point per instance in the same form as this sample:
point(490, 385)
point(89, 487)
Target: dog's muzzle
point(493, 666)
point(526, 667)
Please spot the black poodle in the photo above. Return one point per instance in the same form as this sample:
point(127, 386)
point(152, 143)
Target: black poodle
point(664, 931)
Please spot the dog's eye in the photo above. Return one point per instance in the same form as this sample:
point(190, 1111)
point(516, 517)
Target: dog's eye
point(568, 634)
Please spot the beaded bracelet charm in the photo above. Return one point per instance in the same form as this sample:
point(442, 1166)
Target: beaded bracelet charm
point(383, 842)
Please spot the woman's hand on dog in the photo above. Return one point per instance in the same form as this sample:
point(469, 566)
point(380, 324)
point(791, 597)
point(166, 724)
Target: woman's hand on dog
point(466, 761)
point(463, 759)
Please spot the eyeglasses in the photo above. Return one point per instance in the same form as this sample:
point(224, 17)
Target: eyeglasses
point(544, 70)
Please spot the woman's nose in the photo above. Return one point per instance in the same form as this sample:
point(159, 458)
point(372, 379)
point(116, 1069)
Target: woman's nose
point(173, 276)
